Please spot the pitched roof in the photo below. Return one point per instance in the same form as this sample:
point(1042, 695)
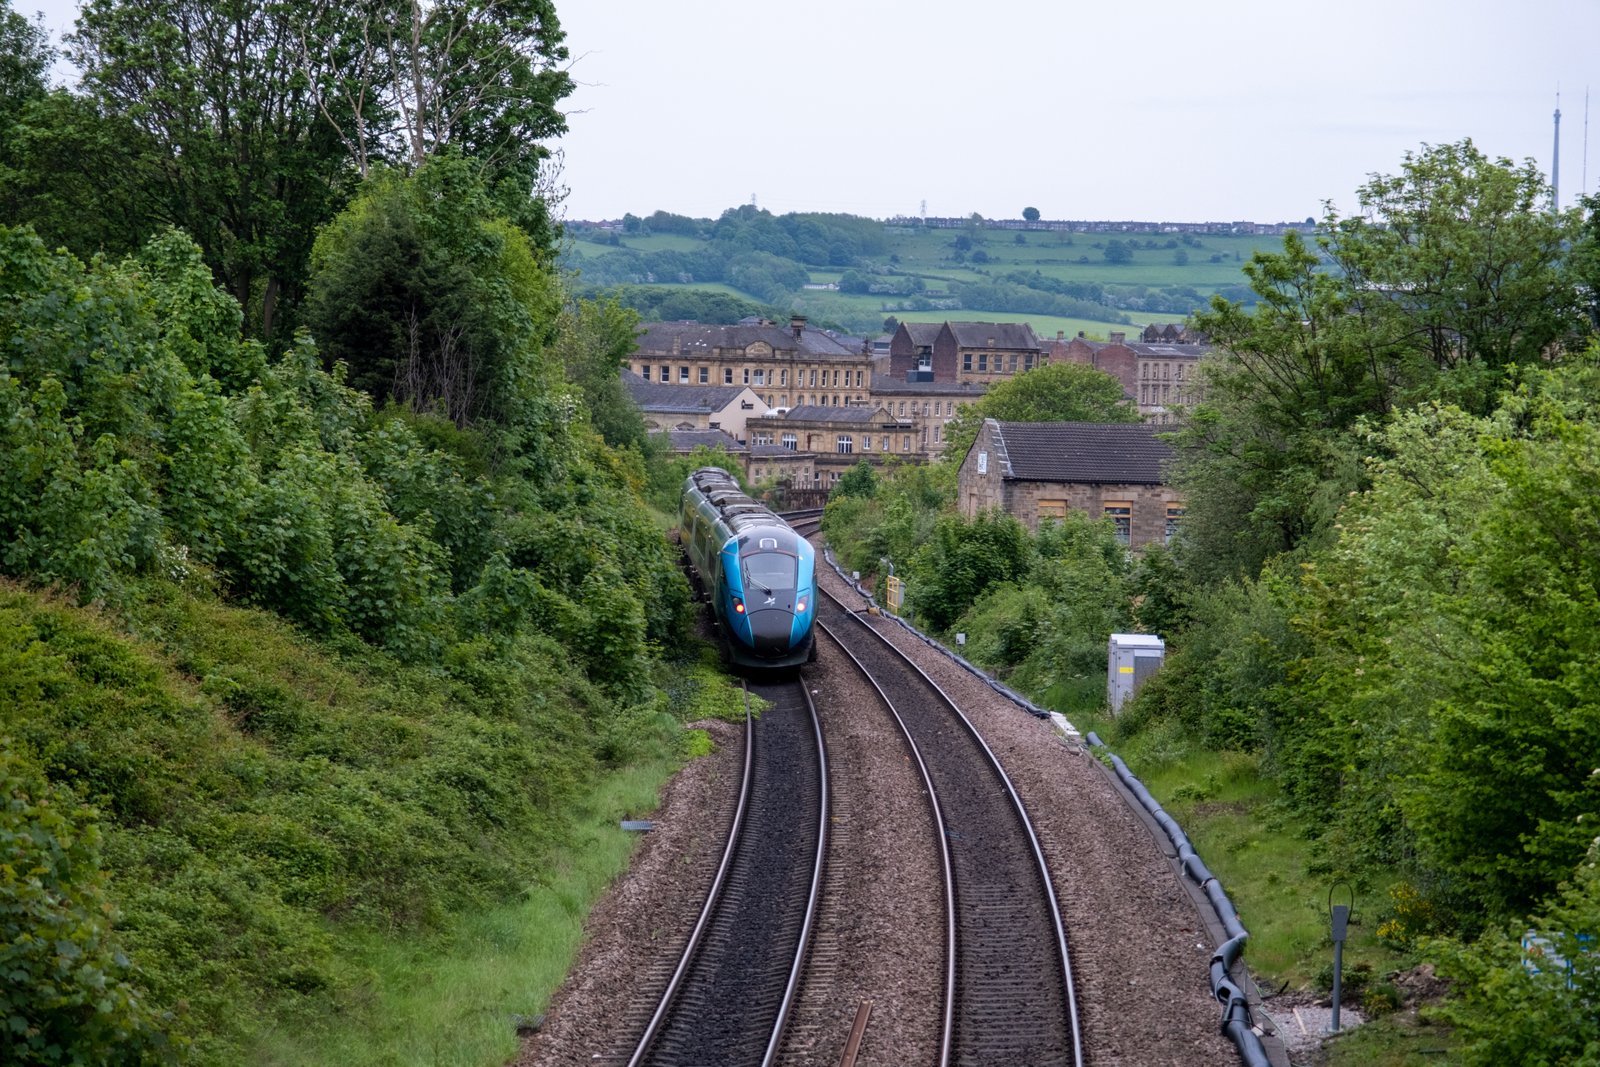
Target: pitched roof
point(778, 452)
point(1168, 350)
point(697, 337)
point(1092, 452)
point(923, 333)
point(689, 440)
point(896, 387)
point(994, 335)
point(826, 413)
point(667, 398)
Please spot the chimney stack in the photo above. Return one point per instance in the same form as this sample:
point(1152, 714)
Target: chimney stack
point(797, 324)
point(1118, 338)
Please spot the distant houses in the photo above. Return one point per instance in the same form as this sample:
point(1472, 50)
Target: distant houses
point(840, 399)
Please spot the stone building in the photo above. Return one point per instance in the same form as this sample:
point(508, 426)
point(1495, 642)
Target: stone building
point(1157, 377)
point(1043, 470)
point(838, 437)
point(786, 367)
point(703, 407)
point(927, 406)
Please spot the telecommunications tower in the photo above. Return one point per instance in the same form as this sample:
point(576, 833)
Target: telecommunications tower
point(1555, 163)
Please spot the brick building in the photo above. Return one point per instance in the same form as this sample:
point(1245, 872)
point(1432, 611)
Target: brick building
point(980, 352)
point(1043, 470)
point(1158, 377)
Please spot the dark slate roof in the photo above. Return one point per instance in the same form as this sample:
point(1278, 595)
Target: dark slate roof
point(828, 413)
point(666, 397)
point(1093, 452)
point(923, 333)
point(698, 337)
point(896, 387)
point(688, 440)
point(1005, 334)
point(1164, 350)
point(777, 452)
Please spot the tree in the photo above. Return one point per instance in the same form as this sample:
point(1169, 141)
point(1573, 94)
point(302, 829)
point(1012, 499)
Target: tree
point(433, 298)
point(1030, 214)
point(594, 340)
point(234, 148)
point(890, 324)
point(1117, 253)
point(860, 480)
point(1461, 256)
point(1058, 392)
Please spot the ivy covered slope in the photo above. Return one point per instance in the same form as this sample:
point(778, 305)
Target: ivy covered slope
point(278, 667)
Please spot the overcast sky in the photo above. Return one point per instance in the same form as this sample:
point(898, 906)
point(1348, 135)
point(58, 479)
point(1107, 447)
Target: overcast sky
point(1144, 109)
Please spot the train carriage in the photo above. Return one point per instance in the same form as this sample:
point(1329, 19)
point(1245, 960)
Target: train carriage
point(759, 574)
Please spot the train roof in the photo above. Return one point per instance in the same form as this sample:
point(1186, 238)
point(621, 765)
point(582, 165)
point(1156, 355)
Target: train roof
point(738, 511)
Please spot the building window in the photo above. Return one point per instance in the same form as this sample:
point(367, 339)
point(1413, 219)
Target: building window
point(902, 407)
point(1174, 520)
point(705, 375)
point(683, 375)
point(966, 361)
point(924, 409)
point(644, 371)
point(983, 463)
point(983, 361)
point(845, 443)
point(727, 375)
point(905, 443)
point(813, 377)
point(1052, 509)
point(763, 437)
point(925, 361)
point(1120, 512)
point(761, 377)
point(1027, 361)
point(666, 374)
point(860, 380)
point(790, 442)
point(1011, 363)
point(783, 377)
point(866, 443)
point(936, 428)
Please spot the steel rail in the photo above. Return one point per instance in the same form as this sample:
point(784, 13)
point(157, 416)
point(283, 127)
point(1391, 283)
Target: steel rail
point(1042, 868)
point(947, 1025)
point(712, 896)
point(814, 898)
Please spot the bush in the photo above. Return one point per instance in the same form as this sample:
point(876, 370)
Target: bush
point(68, 995)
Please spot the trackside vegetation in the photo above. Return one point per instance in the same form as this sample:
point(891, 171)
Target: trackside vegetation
point(1380, 612)
point(313, 670)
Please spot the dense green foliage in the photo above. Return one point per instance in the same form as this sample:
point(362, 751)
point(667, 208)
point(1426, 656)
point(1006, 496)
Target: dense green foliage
point(250, 810)
point(1057, 392)
point(1384, 594)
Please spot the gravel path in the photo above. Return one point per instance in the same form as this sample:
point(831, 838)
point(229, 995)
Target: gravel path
point(1139, 950)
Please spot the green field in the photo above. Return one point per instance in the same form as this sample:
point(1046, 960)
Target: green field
point(1167, 276)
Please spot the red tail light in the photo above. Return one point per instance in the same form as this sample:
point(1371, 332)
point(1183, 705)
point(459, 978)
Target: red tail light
point(738, 606)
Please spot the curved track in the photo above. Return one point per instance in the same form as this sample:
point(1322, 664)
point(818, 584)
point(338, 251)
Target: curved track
point(730, 996)
point(1010, 997)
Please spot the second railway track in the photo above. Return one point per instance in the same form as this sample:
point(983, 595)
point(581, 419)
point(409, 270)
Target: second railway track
point(727, 1003)
point(1010, 996)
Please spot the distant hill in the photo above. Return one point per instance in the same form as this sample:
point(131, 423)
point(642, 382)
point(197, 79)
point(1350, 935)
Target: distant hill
point(853, 272)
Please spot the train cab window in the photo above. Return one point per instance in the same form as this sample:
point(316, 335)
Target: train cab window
point(770, 571)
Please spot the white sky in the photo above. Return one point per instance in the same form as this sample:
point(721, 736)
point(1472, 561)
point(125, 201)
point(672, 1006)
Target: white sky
point(1111, 109)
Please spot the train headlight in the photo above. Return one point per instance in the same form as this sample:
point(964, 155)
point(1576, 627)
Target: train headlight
point(738, 606)
point(800, 605)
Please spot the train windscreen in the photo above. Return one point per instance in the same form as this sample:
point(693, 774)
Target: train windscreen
point(770, 571)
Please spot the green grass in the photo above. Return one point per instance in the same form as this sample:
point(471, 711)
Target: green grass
point(1399, 1040)
point(1234, 817)
point(455, 1000)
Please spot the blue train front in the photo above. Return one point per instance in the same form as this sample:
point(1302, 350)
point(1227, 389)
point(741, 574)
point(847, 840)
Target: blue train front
point(759, 574)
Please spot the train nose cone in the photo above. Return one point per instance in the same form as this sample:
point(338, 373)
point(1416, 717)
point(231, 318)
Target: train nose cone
point(771, 631)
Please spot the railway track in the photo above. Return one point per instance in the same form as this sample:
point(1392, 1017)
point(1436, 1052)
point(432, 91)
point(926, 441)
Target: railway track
point(730, 996)
point(1009, 996)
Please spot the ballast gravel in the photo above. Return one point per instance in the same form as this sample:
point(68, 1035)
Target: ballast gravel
point(1139, 949)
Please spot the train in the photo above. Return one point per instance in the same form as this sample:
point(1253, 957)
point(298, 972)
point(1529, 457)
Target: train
point(760, 575)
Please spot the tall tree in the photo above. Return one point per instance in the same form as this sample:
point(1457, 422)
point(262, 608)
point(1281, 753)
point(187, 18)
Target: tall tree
point(240, 155)
point(1059, 392)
